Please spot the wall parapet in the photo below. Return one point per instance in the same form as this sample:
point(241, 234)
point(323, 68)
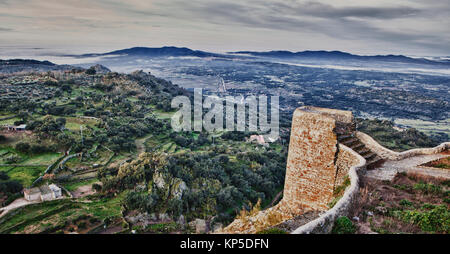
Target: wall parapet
point(325, 222)
point(388, 154)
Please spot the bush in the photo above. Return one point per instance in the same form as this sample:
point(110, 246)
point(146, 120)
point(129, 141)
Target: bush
point(428, 188)
point(11, 186)
point(405, 202)
point(428, 206)
point(343, 225)
point(82, 225)
point(91, 71)
point(23, 147)
point(12, 159)
point(97, 187)
point(3, 175)
point(36, 149)
point(434, 220)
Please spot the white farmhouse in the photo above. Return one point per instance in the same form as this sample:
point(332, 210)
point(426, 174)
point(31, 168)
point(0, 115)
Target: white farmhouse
point(56, 191)
point(43, 193)
point(32, 194)
point(46, 193)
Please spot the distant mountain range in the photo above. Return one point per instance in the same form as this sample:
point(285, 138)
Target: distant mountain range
point(27, 65)
point(287, 55)
point(338, 55)
point(157, 52)
point(11, 62)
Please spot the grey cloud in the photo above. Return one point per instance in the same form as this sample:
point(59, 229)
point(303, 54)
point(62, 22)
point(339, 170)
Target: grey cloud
point(328, 11)
point(321, 18)
point(4, 29)
point(371, 24)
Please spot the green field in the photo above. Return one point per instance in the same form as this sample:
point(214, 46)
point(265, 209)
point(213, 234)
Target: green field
point(25, 175)
point(74, 123)
point(427, 127)
point(9, 121)
point(31, 166)
point(41, 159)
point(71, 186)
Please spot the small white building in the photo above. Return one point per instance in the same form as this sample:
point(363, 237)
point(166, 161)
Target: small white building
point(32, 194)
point(21, 127)
point(56, 191)
point(43, 193)
point(46, 193)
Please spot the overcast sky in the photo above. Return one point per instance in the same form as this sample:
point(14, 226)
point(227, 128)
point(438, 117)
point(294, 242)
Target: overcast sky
point(412, 27)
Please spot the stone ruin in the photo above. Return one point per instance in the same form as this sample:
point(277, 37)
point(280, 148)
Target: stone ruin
point(315, 167)
point(311, 169)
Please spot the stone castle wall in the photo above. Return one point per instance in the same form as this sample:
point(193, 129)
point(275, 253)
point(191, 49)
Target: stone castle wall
point(345, 160)
point(311, 169)
point(388, 154)
point(354, 164)
point(341, 116)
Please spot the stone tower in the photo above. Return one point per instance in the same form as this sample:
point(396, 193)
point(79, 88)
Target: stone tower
point(311, 165)
point(315, 166)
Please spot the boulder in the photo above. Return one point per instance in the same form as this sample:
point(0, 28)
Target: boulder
point(181, 221)
point(178, 188)
point(200, 226)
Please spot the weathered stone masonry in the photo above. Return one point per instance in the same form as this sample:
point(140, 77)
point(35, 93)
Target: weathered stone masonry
point(311, 169)
point(316, 165)
point(314, 169)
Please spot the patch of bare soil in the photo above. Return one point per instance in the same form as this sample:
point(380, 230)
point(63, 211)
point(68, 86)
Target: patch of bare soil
point(30, 229)
point(410, 203)
point(84, 191)
point(80, 225)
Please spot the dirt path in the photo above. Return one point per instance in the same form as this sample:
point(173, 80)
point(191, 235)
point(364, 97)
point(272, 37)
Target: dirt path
point(390, 168)
point(16, 204)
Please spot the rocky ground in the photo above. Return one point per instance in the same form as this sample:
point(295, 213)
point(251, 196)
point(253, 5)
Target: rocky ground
point(294, 223)
point(410, 203)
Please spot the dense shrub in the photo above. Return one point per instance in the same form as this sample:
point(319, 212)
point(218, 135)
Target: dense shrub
point(428, 188)
point(12, 159)
point(343, 225)
point(10, 186)
point(435, 220)
point(23, 147)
